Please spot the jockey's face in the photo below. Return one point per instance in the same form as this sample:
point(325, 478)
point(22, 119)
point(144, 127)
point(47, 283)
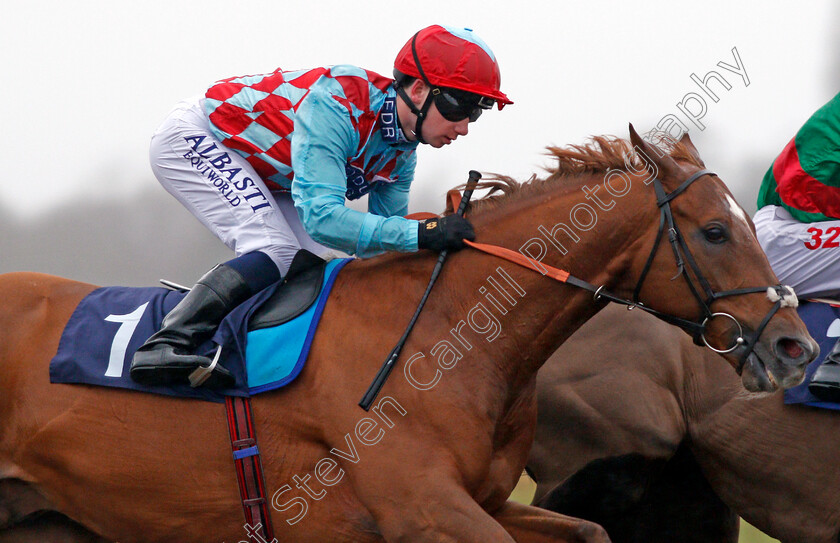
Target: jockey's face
point(437, 131)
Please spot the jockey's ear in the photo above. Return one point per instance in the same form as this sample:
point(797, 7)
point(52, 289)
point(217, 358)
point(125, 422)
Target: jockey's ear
point(660, 165)
point(418, 90)
point(686, 141)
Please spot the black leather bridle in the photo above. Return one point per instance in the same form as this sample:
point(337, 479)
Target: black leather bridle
point(682, 254)
point(700, 289)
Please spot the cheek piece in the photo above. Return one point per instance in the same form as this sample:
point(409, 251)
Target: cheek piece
point(420, 113)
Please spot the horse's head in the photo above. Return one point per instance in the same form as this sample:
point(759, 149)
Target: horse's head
point(703, 244)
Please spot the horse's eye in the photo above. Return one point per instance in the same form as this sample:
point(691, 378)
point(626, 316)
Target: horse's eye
point(715, 233)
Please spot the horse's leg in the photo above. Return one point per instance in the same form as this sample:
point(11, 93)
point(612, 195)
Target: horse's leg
point(647, 500)
point(434, 508)
point(48, 526)
point(436, 513)
point(528, 524)
point(27, 516)
point(18, 500)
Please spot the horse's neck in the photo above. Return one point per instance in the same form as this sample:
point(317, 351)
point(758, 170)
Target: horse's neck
point(548, 312)
point(709, 384)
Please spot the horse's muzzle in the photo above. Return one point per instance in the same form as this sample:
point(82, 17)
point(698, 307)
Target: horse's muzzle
point(781, 366)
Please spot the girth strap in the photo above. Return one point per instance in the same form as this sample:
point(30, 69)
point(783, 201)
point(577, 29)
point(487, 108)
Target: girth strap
point(249, 472)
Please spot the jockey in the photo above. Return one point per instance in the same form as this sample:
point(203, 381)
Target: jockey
point(267, 161)
point(798, 222)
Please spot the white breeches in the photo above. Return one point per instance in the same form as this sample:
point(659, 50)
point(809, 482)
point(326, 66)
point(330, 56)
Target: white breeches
point(805, 256)
point(223, 191)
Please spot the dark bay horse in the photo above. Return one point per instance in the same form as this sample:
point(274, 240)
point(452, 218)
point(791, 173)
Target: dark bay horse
point(438, 455)
point(645, 432)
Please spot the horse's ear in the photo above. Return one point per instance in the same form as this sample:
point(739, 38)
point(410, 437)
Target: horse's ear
point(685, 140)
point(655, 160)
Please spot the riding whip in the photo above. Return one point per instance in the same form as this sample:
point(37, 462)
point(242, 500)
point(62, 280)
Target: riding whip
point(388, 365)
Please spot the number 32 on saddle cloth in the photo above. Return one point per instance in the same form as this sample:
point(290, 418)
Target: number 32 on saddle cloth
point(823, 322)
point(265, 341)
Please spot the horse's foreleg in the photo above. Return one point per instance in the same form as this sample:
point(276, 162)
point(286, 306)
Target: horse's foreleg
point(447, 515)
point(27, 516)
point(450, 515)
point(529, 524)
point(18, 500)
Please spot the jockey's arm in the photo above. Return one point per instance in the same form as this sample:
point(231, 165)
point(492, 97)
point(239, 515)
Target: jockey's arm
point(806, 175)
point(324, 140)
point(391, 199)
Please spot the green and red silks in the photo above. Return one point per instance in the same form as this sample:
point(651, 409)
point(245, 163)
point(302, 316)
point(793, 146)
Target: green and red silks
point(805, 177)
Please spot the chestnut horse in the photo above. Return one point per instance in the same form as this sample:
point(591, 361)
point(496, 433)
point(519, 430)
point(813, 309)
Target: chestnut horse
point(650, 435)
point(444, 446)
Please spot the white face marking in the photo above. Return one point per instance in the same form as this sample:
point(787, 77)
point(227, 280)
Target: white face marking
point(737, 210)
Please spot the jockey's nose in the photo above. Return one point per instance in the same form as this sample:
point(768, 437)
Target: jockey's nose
point(462, 127)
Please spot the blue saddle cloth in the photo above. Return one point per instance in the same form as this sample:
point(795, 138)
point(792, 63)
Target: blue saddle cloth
point(111, 323)
point(823, 322)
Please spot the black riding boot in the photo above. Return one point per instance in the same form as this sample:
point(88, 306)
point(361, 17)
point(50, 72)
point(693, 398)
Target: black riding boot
point(825, 384)
point(168, 356)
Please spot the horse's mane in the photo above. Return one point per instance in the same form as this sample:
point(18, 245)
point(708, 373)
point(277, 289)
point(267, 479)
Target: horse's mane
point(598, 155)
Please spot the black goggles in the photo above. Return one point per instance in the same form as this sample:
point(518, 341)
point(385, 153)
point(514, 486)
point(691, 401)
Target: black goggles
point(456, 105)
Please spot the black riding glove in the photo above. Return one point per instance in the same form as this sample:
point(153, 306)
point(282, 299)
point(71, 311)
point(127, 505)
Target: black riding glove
point(445, 233)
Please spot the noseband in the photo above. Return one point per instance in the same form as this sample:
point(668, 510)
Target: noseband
point(700, 288)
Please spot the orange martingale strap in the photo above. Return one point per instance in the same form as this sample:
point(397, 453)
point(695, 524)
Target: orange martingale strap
point(454, 198)
point(422, 215)
point(522, 260)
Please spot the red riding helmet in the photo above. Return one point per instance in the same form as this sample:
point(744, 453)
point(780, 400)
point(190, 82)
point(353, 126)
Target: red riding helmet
point(455, 58)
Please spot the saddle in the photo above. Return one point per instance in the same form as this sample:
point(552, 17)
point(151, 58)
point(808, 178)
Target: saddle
point(300, 288)
point(274, 330)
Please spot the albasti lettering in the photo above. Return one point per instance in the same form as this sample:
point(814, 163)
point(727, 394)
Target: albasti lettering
point(230, 182)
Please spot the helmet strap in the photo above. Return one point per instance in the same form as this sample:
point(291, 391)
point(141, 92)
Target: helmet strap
point(420, 113)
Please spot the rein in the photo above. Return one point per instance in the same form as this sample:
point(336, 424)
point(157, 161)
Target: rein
point(385, 370)
point(779, 294)
point(682, 255)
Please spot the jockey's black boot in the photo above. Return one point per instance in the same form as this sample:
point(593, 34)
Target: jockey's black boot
point(825, 384)
point(168, 356)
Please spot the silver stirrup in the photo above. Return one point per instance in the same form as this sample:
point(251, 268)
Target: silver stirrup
point(201, 374)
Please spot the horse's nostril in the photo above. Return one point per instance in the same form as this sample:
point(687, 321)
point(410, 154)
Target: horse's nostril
point(791, 348)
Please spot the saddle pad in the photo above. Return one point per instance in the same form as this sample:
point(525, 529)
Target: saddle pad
point(111, 323)
point(107, 326)
point(275, 355)
point(823, 322)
